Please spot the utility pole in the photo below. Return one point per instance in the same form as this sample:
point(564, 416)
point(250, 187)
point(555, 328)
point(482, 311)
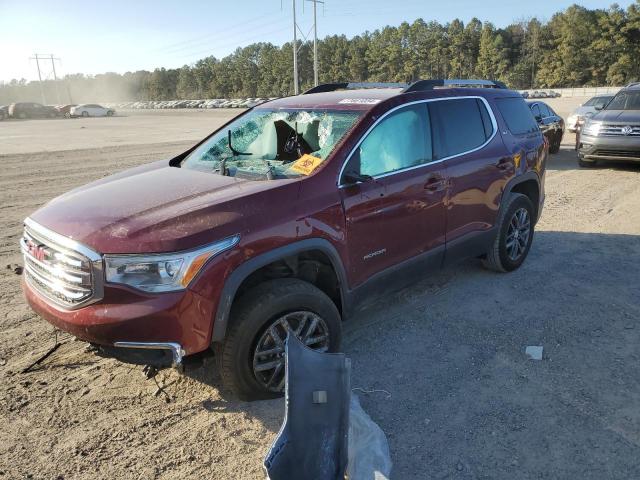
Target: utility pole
point(315, 41)
point(295, 50)
point(37, 58)
point(44, 100)
point(55, 78)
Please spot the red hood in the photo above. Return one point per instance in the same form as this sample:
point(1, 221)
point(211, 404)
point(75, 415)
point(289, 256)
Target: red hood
point(157, 208)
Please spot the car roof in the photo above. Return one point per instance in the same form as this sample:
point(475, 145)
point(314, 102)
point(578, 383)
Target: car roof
point(365, 99)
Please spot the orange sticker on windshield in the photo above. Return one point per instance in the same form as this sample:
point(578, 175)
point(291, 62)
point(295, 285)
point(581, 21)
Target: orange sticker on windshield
point(306, 164)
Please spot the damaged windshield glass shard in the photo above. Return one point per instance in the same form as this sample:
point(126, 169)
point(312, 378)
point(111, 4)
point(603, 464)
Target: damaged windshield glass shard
point(265, 144)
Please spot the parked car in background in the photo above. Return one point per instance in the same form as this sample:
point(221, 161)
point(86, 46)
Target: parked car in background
point(65, 110)
point(587, 109)
point(205, 250)
point(31, 110)
point(551, 124)
point(4, 112)
point(613, 133)
point(90, 110)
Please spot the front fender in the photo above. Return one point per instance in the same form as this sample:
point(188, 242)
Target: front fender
point(235, 279)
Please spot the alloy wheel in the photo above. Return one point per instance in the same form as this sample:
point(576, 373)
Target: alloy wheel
point(518, 234)
point(269, 354)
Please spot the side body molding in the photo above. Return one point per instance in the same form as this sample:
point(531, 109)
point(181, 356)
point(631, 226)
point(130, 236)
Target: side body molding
point(236, 278)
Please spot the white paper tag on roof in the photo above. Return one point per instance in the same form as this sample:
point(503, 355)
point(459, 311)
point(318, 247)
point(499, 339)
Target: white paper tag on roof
point(360, 101)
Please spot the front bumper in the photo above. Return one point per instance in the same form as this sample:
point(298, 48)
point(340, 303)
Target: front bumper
point(618, 149)
point(126, 318)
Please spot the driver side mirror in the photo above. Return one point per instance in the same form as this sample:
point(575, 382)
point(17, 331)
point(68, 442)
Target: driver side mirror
point(599, 107)
point(538, 118)
point(351, 178)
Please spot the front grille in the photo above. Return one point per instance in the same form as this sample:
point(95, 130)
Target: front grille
point(617, 153)
point(607, 130)
point(60, 269)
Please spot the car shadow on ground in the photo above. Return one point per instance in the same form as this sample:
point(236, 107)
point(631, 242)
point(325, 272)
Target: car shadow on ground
point(464, 401)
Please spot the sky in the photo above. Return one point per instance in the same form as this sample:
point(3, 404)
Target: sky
point(126, 35)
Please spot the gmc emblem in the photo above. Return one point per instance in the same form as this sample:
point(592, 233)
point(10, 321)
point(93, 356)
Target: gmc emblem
point(36, 251)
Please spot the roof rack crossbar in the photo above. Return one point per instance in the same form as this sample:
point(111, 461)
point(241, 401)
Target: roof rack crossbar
point(425, 85)
point(331, 87)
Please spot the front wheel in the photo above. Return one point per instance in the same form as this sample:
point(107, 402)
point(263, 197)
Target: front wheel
point(515, 234)
point(252, 358)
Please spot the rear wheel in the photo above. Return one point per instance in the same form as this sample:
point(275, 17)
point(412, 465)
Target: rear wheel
point(515, 234)
point(109, 113)
point(251, 359)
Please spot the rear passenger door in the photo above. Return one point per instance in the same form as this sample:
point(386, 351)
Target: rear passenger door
point(397, 213)
point(466, 140)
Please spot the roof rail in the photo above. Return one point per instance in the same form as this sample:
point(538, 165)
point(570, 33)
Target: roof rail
point(633, 84)
point(424, 85)
point(331, 87)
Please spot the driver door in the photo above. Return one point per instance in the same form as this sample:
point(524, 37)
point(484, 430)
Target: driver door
point(396, 212)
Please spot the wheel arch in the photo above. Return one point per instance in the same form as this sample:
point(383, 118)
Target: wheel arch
point(527, 184)
point(236, 283)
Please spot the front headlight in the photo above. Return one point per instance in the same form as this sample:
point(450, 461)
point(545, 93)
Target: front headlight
point(162, 272)
point(591, 128)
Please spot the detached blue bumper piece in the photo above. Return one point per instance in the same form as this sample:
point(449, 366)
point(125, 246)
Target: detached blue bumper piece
point(312, 442)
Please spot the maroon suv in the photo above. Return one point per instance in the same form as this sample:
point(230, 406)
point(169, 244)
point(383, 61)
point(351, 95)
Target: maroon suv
point(285, 219)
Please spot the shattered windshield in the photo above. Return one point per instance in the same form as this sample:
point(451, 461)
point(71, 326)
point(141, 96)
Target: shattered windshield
point(265, 144)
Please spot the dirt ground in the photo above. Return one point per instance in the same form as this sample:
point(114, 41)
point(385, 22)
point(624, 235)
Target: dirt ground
point(464, 402)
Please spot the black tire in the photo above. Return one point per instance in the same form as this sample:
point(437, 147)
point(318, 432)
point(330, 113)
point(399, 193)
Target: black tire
point(109, 113)
point(554, 146)
point(85, 114)
point(253, 314)
point(498, 257)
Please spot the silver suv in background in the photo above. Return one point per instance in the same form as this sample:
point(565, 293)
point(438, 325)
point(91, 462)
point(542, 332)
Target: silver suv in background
point(613, 134)
point(586, 110)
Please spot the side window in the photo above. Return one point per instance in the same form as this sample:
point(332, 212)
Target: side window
point(459, 126)
point(517, 115)
point(535, 109)
point(401, 140)
point(545, 110)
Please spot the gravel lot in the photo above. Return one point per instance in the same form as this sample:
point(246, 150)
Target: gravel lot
point(465, 403)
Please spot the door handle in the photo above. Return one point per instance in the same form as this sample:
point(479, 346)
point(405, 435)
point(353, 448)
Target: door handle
point(435, 183)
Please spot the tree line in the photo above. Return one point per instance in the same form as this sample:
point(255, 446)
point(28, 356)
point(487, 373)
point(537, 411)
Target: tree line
point(576, 47)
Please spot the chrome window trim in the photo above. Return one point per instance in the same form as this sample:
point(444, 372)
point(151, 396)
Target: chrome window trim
point(416, 102)
point(95, 259)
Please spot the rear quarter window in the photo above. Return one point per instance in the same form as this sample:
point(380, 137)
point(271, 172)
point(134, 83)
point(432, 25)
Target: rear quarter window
point(459, 126)
point(517, 115)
